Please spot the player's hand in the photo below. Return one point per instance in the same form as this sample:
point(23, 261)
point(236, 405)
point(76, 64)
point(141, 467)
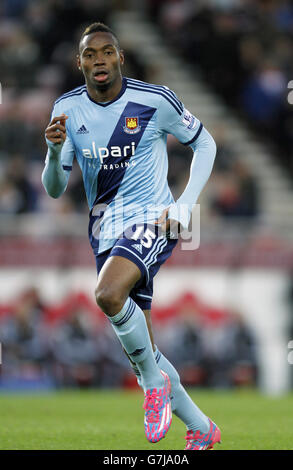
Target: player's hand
point(170, 227)
point(55, 133)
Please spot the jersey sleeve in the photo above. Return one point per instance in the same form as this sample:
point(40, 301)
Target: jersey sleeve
point(68, 151)
point(175, 119)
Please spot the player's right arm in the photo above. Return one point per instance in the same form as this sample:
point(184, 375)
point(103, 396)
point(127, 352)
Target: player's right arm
point(54, 176)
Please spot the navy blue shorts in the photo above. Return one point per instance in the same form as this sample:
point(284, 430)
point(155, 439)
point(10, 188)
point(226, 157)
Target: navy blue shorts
point(145, 246)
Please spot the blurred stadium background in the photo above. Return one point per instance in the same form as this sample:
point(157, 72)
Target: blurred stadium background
point(223, 314)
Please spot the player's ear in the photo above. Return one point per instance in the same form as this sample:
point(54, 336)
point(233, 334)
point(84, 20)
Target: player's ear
point(78, 62)
point(121, 54)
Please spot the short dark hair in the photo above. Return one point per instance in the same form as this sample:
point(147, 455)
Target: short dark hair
point(99, 27)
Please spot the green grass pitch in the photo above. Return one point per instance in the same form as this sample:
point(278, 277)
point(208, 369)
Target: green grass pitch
point(113, 420)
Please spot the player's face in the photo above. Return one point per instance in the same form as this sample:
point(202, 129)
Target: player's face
point(100, 60)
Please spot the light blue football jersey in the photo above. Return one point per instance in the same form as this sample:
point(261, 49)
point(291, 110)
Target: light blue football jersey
point(121, 148)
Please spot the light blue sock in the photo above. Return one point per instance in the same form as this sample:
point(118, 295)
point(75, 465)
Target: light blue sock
point(131, 328)
point(182, 405)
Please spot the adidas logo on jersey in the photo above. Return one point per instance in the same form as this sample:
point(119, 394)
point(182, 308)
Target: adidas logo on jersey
point(82, 130)
point(138, 248)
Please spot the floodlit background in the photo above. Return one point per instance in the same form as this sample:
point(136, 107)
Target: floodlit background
point(223, 314)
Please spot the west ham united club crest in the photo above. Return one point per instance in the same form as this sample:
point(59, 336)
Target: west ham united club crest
point(132, 125)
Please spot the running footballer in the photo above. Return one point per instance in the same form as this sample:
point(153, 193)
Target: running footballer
point(117, 128)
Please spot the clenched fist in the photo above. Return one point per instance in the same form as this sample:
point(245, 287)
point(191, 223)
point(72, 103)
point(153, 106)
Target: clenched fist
point(55, 133)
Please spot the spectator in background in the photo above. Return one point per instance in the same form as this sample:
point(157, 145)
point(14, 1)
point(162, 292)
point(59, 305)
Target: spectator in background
point(263, 95)
point(230, 357)
point(17, 194)
point(76, 350)
point(235, 192)
point(243, 353)
point(83, 350)
point(23, 334)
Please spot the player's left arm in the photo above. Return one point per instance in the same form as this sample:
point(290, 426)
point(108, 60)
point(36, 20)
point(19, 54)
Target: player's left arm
point(189, 131)
point(204, 153)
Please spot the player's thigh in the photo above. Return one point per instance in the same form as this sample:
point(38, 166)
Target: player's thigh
point(115, 280)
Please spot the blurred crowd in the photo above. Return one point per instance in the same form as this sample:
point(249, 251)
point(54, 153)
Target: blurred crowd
point(243, 48)
point(38, 46)
point(72, 344)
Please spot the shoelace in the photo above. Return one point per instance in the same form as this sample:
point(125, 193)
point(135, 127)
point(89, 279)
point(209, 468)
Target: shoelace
point(151, 404)
point(191, 436)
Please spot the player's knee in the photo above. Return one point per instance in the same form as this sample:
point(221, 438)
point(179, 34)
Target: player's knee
point(109, 300)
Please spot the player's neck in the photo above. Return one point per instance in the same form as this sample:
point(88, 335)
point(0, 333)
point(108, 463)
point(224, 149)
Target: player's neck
point(109, 93)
